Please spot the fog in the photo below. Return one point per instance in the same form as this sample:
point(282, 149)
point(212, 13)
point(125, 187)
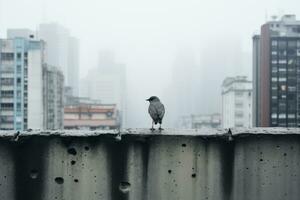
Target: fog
point(178, 50)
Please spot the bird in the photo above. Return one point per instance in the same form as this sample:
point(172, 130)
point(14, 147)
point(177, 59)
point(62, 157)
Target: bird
point(156, 110)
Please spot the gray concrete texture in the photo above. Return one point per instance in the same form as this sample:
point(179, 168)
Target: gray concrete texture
point(136, 164)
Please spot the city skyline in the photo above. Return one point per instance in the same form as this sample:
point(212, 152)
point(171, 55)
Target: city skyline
point(148, 37)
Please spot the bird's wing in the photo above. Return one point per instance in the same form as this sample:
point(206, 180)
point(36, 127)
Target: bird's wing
point(152, 111)
point(160, 110)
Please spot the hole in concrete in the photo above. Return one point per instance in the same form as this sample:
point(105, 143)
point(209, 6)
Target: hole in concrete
point(87, 148)
point(284, 154)
point(261, 160)
point(193, 175)
point(73, 162)
point(59, 180)
point(169, 171)
point(183, 145)
point(33, 174)
point(76, 180)
point(72, 151)
point(124, 186)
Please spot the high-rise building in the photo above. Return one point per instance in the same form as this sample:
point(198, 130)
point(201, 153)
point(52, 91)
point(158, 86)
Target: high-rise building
point(107, 83)
point(236, 102)
point(22, 85)
point(276, 73)
point(53, 81)
point(62, 51)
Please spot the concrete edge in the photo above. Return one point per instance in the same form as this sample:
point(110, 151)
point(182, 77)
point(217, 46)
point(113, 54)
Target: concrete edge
point(146, 132)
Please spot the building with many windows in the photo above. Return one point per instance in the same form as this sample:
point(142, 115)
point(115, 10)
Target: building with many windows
point(200, 121)
point(276, 73)
point(91, 116)
point(23, 85)
point(53, 80)
point(236, 102)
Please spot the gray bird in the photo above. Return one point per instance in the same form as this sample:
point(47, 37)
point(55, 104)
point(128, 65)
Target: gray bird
point(156, 110)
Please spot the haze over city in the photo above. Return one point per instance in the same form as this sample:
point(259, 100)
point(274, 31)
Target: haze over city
point(163, 44)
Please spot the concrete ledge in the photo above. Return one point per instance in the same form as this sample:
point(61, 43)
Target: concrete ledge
point(136, 164)
point(146, 132)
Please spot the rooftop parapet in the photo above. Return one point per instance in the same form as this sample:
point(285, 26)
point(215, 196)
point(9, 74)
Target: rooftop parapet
point(140, 164)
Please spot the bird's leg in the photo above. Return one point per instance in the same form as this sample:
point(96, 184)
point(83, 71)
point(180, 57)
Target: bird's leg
point(152, 129)
point(160, 128)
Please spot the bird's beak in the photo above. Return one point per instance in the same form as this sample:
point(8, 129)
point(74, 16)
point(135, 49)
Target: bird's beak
point(147, 99)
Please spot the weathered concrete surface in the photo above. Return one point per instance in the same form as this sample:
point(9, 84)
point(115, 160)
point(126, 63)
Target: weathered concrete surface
point(138, 164)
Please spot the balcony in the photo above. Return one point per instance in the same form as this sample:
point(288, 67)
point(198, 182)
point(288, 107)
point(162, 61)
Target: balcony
point(138, 164)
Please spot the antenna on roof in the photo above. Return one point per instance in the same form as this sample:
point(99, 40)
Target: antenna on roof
point(266, 15)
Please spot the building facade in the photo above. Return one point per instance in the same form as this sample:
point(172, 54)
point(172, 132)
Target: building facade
point(53, 81)
point(201, 121)
point(276, 67)
point(236, 102)
point(107, 83)
point(91, 116)
point(22, 84)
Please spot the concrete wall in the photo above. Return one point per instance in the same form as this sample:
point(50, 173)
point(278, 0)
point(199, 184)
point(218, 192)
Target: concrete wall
point(175, 164)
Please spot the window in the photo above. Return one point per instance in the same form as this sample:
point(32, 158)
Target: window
point(282, 116)
point(274, 43)
point(281, 61)
point(7, 93)
point(6, 106)
point(282, 52)
point(282, 79)
point(7, 81)
point(274, 97)
point(282, 69)
point(291, 61)
point(274, 69)
point(292, 44)
point(274, 79)
point(7, 56)
point(19, 56)
point(292, 88)
point(19, 69)
point(19, 107)
point(291, 116)
point(282, 44)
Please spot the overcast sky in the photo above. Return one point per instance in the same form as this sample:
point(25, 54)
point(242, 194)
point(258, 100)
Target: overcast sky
point(147, 35)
